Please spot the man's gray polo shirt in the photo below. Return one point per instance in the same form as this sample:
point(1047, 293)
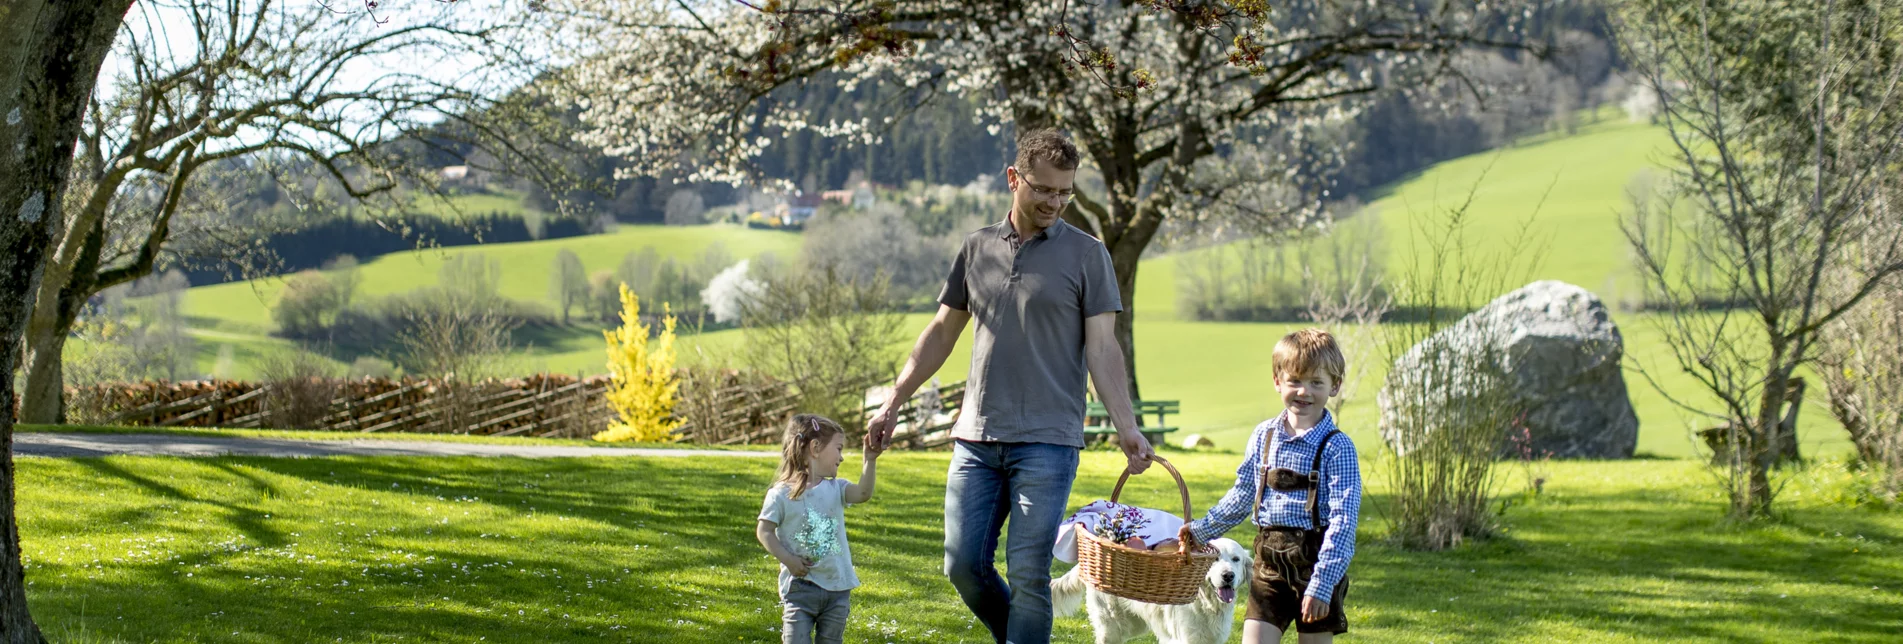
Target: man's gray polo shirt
point(1027, 357)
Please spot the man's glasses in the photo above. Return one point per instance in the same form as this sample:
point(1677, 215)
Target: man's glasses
point(1042, 193)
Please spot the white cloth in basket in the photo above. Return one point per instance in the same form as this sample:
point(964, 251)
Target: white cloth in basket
point(1162, 525)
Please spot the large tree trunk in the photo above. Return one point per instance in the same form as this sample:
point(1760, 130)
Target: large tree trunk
point(44, 400)
point(1126, 244)
point(70, 276)
point(1125, 262)
point(49, 62)
point(52, 318)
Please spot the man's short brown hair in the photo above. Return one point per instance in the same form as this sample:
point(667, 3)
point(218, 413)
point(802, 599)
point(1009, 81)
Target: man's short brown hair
point(1048, 146)
point(1306, 351)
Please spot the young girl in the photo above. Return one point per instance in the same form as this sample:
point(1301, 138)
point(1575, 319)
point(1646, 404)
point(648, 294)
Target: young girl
point(803, 524)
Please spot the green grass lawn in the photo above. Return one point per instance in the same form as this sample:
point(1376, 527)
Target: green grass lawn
point(245, 306)
point(313, 435)
point(140, 549)
point(494, 199)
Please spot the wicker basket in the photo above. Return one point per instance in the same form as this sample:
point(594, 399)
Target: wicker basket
point(1143, 575)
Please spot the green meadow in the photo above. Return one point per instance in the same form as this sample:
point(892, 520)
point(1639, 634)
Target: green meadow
point(246, 306)
point(406, 549)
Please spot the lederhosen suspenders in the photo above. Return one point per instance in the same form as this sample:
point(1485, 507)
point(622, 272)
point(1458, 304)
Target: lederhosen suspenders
point(1311, 539)
point(1314, 479)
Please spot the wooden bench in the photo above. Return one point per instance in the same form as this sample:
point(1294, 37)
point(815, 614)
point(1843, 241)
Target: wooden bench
point(1097, 425)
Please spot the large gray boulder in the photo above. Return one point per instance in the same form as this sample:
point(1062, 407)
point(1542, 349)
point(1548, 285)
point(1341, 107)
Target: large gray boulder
point(1548, 350)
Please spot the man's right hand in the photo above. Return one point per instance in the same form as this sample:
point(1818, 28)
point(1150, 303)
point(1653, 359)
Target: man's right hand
point(880, 426)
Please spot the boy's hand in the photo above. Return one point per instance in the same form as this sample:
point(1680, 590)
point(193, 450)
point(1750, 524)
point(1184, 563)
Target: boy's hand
point(797, 566)
point(1313, 610)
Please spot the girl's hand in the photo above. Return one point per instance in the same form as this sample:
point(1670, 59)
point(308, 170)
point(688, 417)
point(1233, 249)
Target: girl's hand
point(873, 447)
point(881, 425)
point(797, 566)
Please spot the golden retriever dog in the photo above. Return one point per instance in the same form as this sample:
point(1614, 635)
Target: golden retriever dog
point(1205, 620)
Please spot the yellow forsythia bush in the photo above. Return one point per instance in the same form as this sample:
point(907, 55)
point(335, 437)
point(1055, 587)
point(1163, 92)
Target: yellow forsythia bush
point(643, 389)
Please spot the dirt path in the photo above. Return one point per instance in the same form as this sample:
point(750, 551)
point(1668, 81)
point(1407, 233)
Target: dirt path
point(56, 444)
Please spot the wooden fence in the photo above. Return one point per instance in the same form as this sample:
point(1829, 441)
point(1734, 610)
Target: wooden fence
point(730, 409)
point(927, 419)
point(557, 406)
point(726, 409)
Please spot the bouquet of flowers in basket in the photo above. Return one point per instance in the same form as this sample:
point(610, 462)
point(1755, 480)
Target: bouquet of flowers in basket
point(1120, 526)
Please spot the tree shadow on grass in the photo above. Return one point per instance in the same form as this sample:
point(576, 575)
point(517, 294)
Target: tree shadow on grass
point(245, 518)
point(1642, 565)
point(666, 545)
point(663, 550)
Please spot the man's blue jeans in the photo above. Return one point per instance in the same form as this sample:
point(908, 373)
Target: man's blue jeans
point(1030, 483)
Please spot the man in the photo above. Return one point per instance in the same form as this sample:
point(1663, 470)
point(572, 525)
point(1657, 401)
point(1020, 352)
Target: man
point(1046, 301)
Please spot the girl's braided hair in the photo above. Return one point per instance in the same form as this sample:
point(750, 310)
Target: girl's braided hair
point(804, 433)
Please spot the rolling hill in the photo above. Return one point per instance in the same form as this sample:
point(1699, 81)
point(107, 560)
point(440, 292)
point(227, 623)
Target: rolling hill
point(1567, 192)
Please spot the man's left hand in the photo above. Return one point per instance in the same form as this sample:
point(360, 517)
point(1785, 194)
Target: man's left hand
point(1137, 449)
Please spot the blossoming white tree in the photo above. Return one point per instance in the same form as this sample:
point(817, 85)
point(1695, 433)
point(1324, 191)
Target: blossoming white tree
point(1192, 111)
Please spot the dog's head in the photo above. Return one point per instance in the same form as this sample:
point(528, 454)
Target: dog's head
point(1231, 570)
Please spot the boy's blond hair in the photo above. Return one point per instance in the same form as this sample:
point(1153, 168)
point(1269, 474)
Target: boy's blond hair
point(1305, 351)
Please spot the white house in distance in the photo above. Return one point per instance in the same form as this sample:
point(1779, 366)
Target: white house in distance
point(859, 197)
point(797, 209)
point(459, 175)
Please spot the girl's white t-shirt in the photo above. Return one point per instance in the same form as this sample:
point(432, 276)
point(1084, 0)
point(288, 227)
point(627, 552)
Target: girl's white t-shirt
point(813, 526)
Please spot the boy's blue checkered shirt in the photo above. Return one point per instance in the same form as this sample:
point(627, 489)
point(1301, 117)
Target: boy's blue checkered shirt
point(1340, 497)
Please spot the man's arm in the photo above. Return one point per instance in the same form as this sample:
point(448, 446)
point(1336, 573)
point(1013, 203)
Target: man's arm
point(928, 354)
point(1107, 371)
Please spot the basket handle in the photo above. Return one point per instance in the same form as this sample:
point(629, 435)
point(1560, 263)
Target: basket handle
point(1180, 486)
point(1183, 536)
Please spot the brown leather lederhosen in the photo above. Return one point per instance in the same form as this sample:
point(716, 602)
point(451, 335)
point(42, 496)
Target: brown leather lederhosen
point(1285, 557)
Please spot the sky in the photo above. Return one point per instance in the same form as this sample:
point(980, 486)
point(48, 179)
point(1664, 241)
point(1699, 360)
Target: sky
point(163, 29)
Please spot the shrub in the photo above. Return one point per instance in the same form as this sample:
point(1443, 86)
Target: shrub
point(1270, 279)
point(446, 336)
point(685, 208)
point(307, 305)
point(1862, 366)
point(568, 283)
point(826, 334)
point(1446, 410)
point(879, 241)
point(301, 386)
point(368, 367)
point(642, 393)
point(603, 295)
point(716, 404)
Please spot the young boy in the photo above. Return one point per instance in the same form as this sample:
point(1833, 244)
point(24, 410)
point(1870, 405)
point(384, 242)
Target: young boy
point(1301, 486)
